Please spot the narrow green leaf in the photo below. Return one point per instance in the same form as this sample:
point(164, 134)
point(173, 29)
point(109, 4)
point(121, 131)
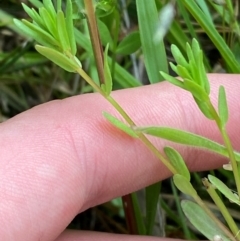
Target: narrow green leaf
point(180, 215)
point(49, 6)
point(201, 220)
point(38, 20)
point(173, 67)
point(177, 161)
point(49, 23)
point(120, 125)
point(197, 91)
point(183, 72)
point(190, 53)
point(62, 32)
point(130, 44)
point(107, 86)
point(204, 107)
point(36, 33)
point(202, 74)
point(138, 215)
point(152, 200)
point(36, 3)
point(186, 138)
point(187, 20)
point(172, 80)
point(195, 49)
point(214, 35)
point(29, 11)
point(154, 53)
point(70, 28)
point(58, 58)
point(59, 5)
point(184, 185)
point(222, 105)
point(180, 59)
point(223, 188)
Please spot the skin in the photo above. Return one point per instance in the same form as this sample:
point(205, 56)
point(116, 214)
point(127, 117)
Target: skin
point(63, 157)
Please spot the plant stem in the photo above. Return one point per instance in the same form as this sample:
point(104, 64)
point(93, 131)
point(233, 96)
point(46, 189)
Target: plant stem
point(228, 145)
point(114, 103)
point(142, 137)
point(232, 158)
point(211, 191)
point(90, 81)
point(95, 39)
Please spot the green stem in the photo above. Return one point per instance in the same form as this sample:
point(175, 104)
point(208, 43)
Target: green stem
point(90, 81)
point(114, 103)
point(211, 191)
point(142, 137)
point(228, 145)
point(232, 158)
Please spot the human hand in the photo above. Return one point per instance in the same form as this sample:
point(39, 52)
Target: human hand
point(60, 158)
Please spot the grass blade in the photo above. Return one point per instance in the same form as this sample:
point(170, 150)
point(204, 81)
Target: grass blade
point(154, 53)
point(152, 198)
point(213, 34)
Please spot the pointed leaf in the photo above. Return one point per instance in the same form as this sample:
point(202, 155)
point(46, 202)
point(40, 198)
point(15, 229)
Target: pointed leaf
point(180, 59)
point(49, 6)
point(183, 72)
point(29, 11)
point(120, 125)
point(58, 58)
point(197, 91)
point(190, 54)
point(186, 138)
point(204, 107)
point(37, 20)
point(173, 67)
point(184, 185)
point(172, 80)
point(50, 25)
point(223, 188)
point(152, 202)
point(107, 86)
point(62, 32)
point(36, 33)
point(204, 77)
point(59, 5)
point(130, 44)
point(195, 49)
point(177, 161)
point(222, 105)
point(36, 3)
point(201, 221)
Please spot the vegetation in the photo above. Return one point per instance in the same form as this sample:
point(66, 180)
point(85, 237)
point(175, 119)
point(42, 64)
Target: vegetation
point(73, 34)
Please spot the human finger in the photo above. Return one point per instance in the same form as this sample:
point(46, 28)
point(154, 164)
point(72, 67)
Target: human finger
point(63, 157)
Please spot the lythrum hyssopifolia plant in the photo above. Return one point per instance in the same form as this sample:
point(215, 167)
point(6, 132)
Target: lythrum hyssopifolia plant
point(53, 29)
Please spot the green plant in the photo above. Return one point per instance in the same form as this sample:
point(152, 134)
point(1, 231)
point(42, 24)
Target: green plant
point(54, 30)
